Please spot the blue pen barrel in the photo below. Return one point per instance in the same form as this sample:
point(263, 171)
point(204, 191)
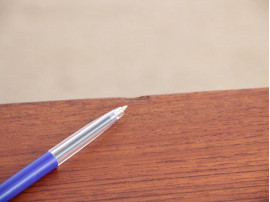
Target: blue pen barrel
point(27, 176)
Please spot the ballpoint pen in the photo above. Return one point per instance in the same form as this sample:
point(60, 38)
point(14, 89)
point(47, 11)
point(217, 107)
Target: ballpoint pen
point(58, 155)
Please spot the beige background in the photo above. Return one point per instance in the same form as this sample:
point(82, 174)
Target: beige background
point(57, 49)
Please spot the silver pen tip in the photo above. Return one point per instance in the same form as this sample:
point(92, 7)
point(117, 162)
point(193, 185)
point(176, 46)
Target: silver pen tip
point(120, 111)
point(124, 107)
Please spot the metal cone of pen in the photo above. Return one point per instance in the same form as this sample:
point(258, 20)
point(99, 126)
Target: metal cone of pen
point(58, 155)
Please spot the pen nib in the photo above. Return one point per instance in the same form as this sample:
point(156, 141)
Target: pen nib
point(124, 107)
point(120, 111)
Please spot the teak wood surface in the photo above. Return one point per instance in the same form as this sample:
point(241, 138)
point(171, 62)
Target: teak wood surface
point(203, 146)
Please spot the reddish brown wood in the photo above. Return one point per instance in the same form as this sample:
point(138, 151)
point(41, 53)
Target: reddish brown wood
point(196, 147)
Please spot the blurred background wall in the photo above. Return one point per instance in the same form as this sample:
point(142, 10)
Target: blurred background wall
point(56, 49)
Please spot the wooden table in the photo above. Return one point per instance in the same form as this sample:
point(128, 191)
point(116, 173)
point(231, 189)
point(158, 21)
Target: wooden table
point(193, 147)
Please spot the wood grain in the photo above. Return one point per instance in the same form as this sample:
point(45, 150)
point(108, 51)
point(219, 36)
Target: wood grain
point(206, 146)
